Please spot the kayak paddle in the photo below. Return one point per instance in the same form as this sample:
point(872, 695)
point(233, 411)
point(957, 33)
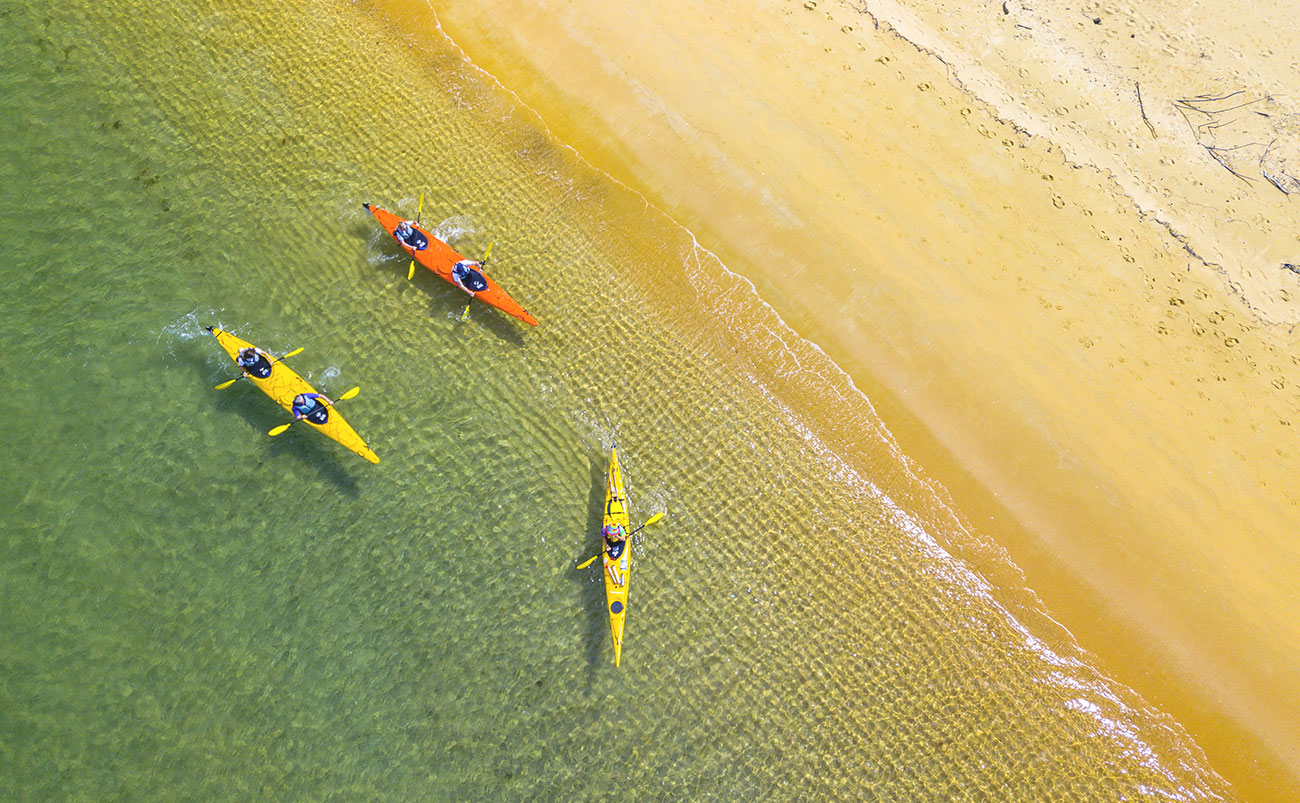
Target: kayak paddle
point(649, 521)
point(283, 427)
point(293, 353)
point(410, 272)
point(486, 256)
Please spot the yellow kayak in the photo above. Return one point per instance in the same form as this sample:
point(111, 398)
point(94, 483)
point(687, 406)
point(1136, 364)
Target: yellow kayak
point(618, 570)
point(284, 383)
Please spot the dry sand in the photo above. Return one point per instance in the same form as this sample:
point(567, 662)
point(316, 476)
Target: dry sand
point(1073, 309)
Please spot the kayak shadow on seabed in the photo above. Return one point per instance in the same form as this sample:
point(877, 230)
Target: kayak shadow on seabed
point(261, 414)
point(493, 320)
point(589, 582)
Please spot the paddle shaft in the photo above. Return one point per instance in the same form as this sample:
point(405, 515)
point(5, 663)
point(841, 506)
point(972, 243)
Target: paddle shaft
point(649, 521)
point(486, 256)
point(410, 272)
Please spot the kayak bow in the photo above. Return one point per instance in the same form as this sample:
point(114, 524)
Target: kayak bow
point(440, 257)
point(284, 383)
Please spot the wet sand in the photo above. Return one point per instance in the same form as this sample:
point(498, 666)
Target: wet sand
point(1075, 310)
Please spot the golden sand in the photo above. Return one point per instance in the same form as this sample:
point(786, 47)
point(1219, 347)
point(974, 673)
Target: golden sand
point(1074, 309)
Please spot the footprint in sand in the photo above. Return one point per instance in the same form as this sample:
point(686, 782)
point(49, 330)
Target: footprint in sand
point(1058, 202)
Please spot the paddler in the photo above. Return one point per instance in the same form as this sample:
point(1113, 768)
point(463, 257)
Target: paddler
point(615, 539)
point(467, 277)
point(254, 362)
point(312, 406)
point(410, 236)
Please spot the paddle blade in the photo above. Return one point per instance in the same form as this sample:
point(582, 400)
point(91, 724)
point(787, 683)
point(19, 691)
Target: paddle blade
point(225, 385)
point(419, 210)
point(653, 519)
point(294, 353)
point(488, 253)
point(588, 562)
point(465, 315)
point(354, 392)
point(410, 272)
point(279, 429)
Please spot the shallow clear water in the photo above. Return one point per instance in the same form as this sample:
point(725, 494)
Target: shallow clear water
point(194, 609)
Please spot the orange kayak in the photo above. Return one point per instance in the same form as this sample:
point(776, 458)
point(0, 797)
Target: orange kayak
point(440, 257)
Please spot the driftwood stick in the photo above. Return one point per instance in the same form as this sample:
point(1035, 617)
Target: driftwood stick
point(1238, 106)
point(1227, 148)
point(1263, 171)
point(1218, 124)
point(1214, 155)
point(1142, 109)
point(1184, 103)
point(1272, 181)
point(1212, 98)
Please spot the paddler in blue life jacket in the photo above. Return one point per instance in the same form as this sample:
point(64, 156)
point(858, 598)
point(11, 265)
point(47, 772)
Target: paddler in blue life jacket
point(411, 237)
point(466, 276)
point(615, 539)
point(254, 362)
point(312, 406)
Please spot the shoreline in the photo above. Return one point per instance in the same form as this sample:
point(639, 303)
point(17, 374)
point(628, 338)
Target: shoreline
point(1148, 495)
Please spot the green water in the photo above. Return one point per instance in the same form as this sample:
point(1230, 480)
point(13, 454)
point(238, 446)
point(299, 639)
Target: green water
point(194, 610)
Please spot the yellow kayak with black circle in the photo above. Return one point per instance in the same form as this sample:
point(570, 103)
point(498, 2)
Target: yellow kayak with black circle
point(617, 562)
point(284, 383)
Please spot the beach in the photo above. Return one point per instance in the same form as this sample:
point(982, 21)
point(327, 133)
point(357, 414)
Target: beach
point(1055, 246)
point(958, 502)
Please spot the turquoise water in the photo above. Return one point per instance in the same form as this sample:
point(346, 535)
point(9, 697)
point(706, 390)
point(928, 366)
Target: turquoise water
point(196, 610)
